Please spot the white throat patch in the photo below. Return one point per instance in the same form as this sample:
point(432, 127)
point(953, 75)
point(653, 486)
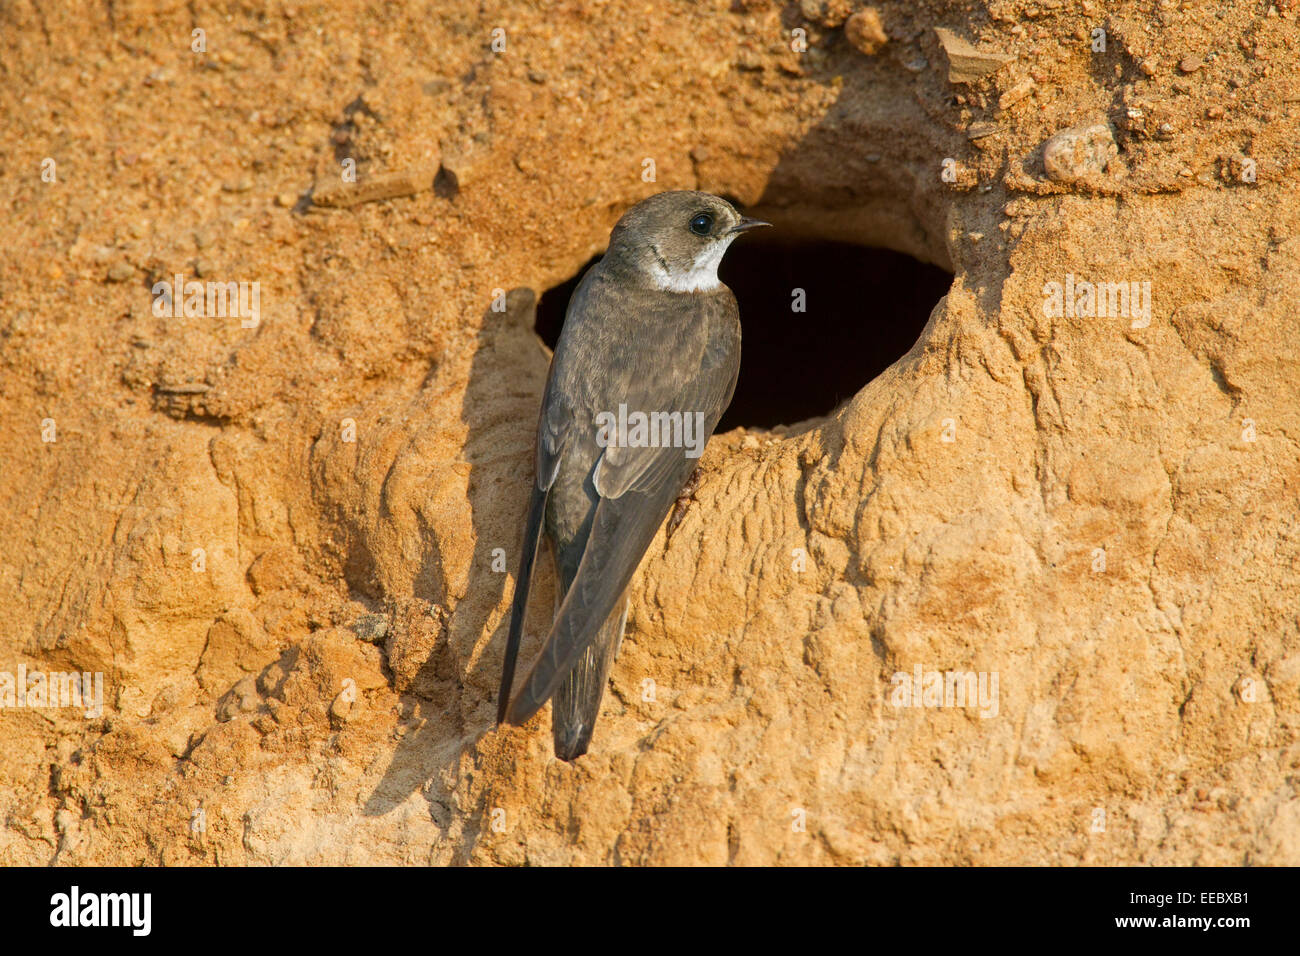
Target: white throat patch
point(702, 275)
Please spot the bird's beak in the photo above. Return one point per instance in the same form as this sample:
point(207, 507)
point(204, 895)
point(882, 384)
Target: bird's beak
point(746, 223)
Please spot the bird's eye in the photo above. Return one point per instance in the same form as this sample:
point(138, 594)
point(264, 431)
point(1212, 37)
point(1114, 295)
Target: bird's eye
point(701, 224)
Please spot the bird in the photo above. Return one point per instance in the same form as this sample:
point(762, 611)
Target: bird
point(651, 338)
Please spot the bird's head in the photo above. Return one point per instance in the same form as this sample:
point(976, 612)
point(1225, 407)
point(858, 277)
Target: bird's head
point(675, 240)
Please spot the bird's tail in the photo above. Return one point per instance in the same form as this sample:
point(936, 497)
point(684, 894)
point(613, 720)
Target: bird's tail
point(519, 608)
point(577, 703)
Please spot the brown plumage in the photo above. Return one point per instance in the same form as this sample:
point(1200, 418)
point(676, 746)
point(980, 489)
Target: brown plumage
point(652, 329)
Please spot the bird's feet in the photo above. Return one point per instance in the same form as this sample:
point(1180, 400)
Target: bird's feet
point(684, 499)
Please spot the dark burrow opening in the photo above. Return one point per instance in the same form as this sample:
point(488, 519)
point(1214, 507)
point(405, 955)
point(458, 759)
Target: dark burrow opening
point(865, 308)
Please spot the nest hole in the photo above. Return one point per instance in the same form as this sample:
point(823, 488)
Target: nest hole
point(863, 309)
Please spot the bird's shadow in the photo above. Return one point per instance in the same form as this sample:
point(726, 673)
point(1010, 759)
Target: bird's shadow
point(452, 698)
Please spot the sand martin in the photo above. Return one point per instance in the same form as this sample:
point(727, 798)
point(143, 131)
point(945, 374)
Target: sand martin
point(645, 366)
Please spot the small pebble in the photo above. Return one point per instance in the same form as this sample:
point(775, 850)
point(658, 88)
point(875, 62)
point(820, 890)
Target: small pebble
point(120, 272)
point(1017, 93)
point(371, 628)
point(865, 32)
point(1079, 152)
